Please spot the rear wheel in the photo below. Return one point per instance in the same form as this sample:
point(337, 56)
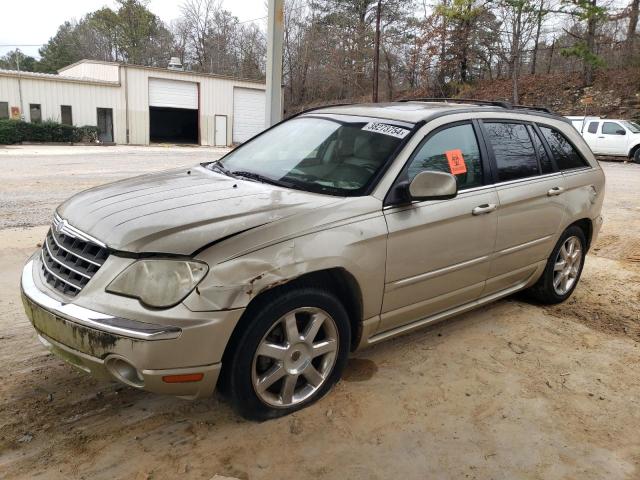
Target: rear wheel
point(292, 352)
point(563, 269)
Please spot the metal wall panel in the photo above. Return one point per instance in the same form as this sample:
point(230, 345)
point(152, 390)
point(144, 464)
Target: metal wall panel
point(84, 99)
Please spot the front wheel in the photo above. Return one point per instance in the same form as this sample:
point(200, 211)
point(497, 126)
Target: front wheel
point(294, 349)
point(636, 155)
point(563, 268)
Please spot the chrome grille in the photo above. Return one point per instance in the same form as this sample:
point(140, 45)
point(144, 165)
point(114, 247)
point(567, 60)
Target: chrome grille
point(70, 257)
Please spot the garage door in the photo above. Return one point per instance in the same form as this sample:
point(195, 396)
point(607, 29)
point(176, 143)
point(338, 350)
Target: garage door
point(248, 113)
point(173, 94)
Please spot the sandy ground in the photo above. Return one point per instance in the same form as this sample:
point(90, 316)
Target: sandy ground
point(512, 390)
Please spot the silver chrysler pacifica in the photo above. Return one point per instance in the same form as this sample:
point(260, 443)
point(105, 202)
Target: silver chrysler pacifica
point(331, 231)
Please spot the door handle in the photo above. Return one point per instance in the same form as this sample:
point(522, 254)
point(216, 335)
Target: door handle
point(600, 137)
point(555, 191)
point(484, 208)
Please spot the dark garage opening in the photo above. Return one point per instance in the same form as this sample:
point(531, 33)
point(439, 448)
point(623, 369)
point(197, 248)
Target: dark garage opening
point(173, 125)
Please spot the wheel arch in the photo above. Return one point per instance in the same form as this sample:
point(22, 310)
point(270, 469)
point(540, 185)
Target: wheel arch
point(337, 280)
point(586, 225)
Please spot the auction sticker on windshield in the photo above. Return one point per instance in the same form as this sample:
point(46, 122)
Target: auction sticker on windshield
point(386, 129)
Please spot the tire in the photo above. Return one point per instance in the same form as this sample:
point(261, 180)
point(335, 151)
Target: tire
point(636, 156)
point(547, 289)
point(289, 347)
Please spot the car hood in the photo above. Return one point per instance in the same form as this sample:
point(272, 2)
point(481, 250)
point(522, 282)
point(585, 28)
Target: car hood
point(180, 211)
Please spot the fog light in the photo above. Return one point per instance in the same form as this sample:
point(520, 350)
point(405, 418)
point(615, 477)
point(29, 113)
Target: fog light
point(124, 371)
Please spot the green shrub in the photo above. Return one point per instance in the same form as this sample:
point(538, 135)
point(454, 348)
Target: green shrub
point(15, 131)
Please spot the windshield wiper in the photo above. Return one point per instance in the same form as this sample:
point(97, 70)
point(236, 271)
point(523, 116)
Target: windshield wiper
point(217, 166)
point(259, 178)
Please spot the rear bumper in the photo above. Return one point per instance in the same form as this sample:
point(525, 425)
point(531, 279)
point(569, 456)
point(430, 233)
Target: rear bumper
point(124, 349)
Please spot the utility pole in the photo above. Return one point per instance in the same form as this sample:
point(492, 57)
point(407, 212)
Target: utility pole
point(275, 38)
point(18, 53)
point(376, 54)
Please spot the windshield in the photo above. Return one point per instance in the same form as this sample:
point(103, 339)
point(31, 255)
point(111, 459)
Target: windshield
point(339, 155)
point(633, 126)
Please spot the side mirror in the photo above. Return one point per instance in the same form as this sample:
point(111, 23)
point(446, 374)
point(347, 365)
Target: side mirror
point(433, 185)
point(621, 132)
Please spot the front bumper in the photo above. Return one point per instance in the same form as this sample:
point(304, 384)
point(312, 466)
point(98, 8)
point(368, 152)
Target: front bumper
point(124, 349)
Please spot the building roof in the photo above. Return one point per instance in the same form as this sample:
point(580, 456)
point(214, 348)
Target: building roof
point(160, 69)
point(55, 77)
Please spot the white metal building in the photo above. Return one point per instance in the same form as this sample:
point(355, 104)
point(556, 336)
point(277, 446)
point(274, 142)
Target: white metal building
point(138, 105)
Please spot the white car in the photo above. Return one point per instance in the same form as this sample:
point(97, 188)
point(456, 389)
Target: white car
point(580, 123)
point(620, 138)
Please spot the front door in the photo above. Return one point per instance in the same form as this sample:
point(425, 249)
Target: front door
point(438, 251)
point(612, 139)
point(532, 208)
point(105, 125)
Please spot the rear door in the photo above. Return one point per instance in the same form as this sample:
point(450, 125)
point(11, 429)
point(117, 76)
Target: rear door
point(590, 135)
point(438, 251)
point(531, 204)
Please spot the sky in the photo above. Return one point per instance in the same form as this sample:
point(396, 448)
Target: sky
point(29, 22)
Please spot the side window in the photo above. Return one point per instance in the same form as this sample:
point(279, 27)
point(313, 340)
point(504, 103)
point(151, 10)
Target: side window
point(452, 150)
point(4, 109)
point(513, 150)
point(564, 153)
point(35, 113)
point(611, 128)
point(593, 127)
point(545, 161)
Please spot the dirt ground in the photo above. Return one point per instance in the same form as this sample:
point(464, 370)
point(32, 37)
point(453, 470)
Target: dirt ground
point(512, 390)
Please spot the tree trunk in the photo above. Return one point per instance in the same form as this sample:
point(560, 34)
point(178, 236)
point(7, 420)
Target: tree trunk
point(631, 31)
point(553, 47)
point(376, 55)
point(591, 43)
point(534, 59)
point(515, 55)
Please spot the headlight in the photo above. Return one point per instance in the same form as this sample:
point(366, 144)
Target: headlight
point(159, 283)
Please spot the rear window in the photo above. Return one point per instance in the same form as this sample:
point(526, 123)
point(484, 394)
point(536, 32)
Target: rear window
point(564, 153)
point(513, 150)
point(545, 161)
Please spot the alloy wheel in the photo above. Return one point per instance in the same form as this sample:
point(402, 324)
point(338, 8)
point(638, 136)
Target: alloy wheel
point(295, 357)
point(567, 265)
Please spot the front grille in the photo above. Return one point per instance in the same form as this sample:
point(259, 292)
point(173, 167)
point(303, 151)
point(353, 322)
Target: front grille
point(69, 262)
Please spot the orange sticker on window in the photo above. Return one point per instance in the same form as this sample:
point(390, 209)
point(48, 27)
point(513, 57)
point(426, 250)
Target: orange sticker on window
point(456, 161)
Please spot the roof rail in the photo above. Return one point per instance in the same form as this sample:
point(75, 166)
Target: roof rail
point(495, 103)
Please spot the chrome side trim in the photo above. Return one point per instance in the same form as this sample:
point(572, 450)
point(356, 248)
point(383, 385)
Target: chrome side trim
point(62, 226)
point(434, 273)
point(522, 246)
point(91, 319)
point(443, 315)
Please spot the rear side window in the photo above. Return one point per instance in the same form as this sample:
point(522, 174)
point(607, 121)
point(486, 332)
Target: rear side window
point(564, 153)
point(4, 109)
point(513, 150)
point(593, 127)
point(545, 161)
point(453, 150)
